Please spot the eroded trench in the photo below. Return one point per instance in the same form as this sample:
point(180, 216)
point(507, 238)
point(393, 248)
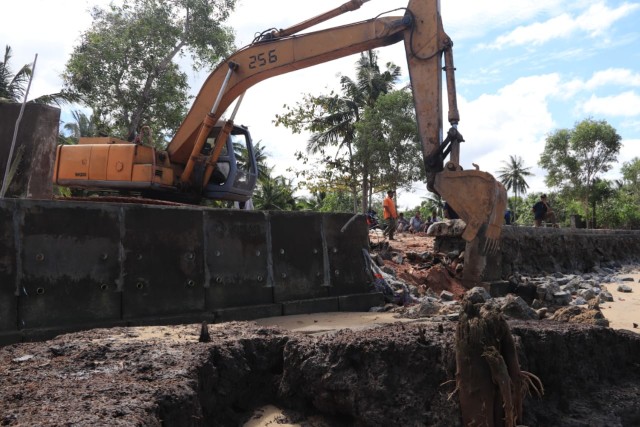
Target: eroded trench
point(400, 374)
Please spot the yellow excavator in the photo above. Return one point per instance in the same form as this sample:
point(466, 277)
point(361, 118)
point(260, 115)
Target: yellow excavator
point(201, 159)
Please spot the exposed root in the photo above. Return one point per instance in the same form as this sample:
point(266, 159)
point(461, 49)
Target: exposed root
point(531, 382)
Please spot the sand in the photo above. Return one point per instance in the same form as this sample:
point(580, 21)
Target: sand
point(624, 311)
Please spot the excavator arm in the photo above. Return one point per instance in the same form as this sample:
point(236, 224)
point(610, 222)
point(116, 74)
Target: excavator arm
point(196, 149)
point(477, 197)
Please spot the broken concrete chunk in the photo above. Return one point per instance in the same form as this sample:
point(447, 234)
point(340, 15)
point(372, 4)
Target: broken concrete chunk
point(478, 295)
point(605, 296)
point(428, 309)
point(517, 308)
point(624, 288)
point(561, 298)
point(446, 296)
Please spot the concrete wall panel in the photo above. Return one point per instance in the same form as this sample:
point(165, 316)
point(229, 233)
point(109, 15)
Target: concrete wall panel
point(298, 252)
point(163, 261)
point(69, 263)
point(347, 266)
point(236, 258)
point(8, 298)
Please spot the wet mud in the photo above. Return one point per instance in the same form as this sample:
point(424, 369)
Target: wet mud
point(400, 374)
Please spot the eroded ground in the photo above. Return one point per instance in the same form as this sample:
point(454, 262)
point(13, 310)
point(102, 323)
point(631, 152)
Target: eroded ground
point(393, 374)
point(367, 369)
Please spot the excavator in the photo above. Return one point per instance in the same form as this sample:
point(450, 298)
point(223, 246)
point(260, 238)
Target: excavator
point(201, 160)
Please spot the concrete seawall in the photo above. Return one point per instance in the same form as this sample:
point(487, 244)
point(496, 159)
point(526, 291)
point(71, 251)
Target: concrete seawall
point(530, 250)
point(67, 265)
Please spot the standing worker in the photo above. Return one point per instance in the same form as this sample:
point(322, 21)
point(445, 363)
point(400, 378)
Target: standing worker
point(508, 216)
point(390, 214)
point(543, 212)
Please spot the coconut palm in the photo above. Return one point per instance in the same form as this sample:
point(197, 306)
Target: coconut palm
point(338, 125)
point(259, 154)
point(13, 86)
point(81, 126)
point(274, 193)
point(513, 177)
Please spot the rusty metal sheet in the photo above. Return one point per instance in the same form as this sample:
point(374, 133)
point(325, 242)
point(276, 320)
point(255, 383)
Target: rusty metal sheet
point(163, 261)
point(298, 254)
point(8, 298)
point(69, 266)
point(236, 259)
point(347, 237)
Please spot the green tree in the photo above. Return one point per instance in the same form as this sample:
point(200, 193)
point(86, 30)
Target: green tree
point(331, 119)
point(125, 66)
point(575, 157)
point(388, 143)
point(631, 178)
point(81, 126)
point(275, 193)
point(259, 154)
point(431, 203)
point(14, 85)
point(513, 177)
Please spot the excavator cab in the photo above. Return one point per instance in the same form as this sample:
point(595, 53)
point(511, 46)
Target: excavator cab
point(235, 174)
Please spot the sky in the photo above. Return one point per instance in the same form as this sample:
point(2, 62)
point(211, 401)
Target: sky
point(523, 70)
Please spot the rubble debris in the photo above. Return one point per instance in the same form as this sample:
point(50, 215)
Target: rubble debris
point(431, 281)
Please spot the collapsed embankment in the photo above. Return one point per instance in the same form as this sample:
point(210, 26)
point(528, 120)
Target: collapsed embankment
point(530, 250)
point(395, 375)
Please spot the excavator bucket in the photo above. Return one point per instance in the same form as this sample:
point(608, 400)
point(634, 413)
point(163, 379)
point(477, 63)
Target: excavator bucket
point(478, 199)
point(476, 196)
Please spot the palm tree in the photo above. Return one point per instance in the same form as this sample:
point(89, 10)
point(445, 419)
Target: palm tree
point(81, 126)
point(433, 202)
point(513, 176)
point(275, 193)
point(13, 86)
point(338, 125)
point(259, 154)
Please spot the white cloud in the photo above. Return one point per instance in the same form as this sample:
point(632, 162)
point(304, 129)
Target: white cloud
point(614, 76)
point(629, 151)
point(625, 104)
point(598, 18)
point(538, 33)
point(594, 21)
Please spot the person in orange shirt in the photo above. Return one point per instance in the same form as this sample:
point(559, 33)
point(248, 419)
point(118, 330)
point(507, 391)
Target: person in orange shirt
point(390, 214)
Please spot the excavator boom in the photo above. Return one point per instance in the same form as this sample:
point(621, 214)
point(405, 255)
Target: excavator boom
point(194, 152)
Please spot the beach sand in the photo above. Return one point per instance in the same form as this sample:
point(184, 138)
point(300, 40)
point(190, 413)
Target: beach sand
point(624, 311)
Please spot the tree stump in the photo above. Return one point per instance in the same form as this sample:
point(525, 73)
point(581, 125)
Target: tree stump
point(491, 387)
